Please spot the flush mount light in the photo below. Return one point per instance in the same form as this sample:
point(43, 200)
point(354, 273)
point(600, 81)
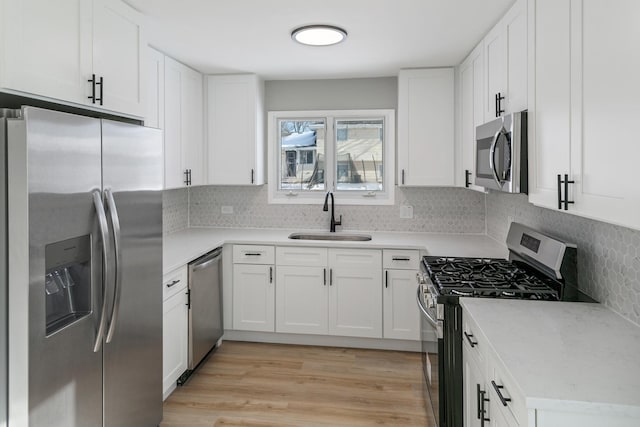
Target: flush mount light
point(319, 35)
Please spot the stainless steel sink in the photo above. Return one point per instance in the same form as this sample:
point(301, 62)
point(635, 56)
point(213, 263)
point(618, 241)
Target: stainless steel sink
point(331, 236)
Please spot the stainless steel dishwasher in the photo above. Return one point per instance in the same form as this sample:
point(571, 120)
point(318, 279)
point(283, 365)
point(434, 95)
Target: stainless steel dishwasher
point(205, 305)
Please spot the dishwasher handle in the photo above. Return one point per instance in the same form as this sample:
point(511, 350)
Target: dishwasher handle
point(207, 260)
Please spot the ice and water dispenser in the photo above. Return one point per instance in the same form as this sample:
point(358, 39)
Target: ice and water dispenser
point(67, 283)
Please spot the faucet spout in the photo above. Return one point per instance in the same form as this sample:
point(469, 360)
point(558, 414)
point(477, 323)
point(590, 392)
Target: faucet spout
point(325, 208)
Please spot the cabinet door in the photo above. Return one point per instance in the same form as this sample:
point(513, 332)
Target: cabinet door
point(474, 384)
point(426, 127)
point(154, 86)
point(235, 130)
point(175, 340)
point(117, 55)
point(173, 174)
point(45, 44)
point(515, 33)
point(550, 112)
point(605, 167)
point(471, 114)
point(401, 319)
point(495, 69)
point(192, 138)
point(355, 292)
point(302, 300)
point(253, 298)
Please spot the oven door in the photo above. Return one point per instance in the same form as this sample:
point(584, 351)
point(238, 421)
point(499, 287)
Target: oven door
point(432, 351)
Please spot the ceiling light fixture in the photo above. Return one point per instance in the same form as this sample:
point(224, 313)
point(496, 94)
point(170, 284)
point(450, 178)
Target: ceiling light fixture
point(319, 35)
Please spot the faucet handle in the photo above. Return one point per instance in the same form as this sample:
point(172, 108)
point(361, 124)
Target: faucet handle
point(339, 222)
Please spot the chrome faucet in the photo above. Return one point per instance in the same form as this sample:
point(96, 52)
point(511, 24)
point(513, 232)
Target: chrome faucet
point(333, 213)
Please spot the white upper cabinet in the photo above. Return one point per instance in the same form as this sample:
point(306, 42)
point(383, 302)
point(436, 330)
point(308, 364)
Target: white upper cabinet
point(470, 115)
point(235, 130)
point(505, 59)
point(426, 127)
point(183, 126)
point(117, 56)
point(52, 49)
point(154, 87)
point(585, 93)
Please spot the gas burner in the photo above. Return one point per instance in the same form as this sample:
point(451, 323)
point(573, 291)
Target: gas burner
point(488, 277)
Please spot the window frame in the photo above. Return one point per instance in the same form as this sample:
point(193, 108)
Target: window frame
point(345, 197)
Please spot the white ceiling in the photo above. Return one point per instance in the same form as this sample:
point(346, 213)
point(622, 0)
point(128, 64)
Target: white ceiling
point(253, 36)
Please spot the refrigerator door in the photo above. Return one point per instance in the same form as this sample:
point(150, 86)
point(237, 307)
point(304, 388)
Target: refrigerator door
point(133, 175)
point(3, 274)
point(65, 268)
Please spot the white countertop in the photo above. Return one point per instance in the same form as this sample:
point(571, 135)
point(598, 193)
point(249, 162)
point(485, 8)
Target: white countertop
point(564, 356)
point(186, 245)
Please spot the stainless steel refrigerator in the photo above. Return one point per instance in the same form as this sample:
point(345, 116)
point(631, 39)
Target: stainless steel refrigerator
point(84, 207)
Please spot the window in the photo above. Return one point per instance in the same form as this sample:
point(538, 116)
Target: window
point(312, 152)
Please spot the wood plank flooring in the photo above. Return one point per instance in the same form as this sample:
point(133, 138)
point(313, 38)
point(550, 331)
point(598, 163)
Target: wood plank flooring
point(253, 384)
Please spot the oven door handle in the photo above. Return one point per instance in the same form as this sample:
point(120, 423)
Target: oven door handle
point(492, 155)
point(430, 318)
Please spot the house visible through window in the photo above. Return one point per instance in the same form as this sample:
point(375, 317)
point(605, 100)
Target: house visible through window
point(340, 151)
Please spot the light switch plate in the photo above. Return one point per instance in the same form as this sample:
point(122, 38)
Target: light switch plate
point(406, 211)
point(227, 210)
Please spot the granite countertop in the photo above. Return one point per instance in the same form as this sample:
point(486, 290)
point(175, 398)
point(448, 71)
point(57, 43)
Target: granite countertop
point(186, 245)
point(564, 356)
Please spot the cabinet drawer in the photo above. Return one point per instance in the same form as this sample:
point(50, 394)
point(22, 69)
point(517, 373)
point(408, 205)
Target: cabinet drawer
point(296, 256)
point(253, 254)
point(400, 259)
point(501, 384)
point(174, 281)
point(474, 341)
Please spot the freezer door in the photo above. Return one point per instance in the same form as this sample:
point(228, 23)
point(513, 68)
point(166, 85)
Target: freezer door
point(65, 267)
point(133, 175)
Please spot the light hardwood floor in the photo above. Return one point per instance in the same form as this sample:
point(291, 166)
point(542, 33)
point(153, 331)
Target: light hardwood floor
point(252, 384)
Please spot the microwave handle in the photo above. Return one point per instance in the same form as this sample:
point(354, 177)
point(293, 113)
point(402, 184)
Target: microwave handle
point(492, 154)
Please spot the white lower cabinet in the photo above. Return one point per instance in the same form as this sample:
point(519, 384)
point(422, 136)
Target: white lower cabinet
point(253, 297)
point(175, 327)
point(474, 386)
point(302, 300)
point(400, 319)
point(355, 295)
point(329, 291)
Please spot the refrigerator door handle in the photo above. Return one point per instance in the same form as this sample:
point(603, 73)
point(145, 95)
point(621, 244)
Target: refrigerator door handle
point(115, 223)
point(104, 236)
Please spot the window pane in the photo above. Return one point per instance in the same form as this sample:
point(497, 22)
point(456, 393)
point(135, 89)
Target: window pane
point(359, 148)
point(302, 155)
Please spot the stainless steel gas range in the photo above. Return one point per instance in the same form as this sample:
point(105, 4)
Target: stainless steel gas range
point(539, 267)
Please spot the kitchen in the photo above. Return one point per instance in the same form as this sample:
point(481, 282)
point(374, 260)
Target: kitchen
point(554, 59)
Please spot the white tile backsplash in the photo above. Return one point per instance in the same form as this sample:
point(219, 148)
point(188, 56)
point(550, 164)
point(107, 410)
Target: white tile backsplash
point(608, 255)
point(175, 210)
point(450, 210)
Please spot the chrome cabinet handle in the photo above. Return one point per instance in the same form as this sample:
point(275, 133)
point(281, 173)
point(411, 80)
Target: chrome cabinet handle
point(497, 388)
point(331, 277)
point(175, 282)
point(324, 275)
point(270, 274)
point(471, 342)
point(400, 258)
point(115, 223)
point(386, 278)
point(104, 236)
point(481, 408)
point(252, 254)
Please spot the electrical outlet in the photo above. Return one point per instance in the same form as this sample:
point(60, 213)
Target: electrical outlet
point(406, 211)
point(227, 210)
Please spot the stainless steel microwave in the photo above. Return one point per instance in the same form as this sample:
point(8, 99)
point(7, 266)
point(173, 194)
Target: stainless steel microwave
point(501, 154)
